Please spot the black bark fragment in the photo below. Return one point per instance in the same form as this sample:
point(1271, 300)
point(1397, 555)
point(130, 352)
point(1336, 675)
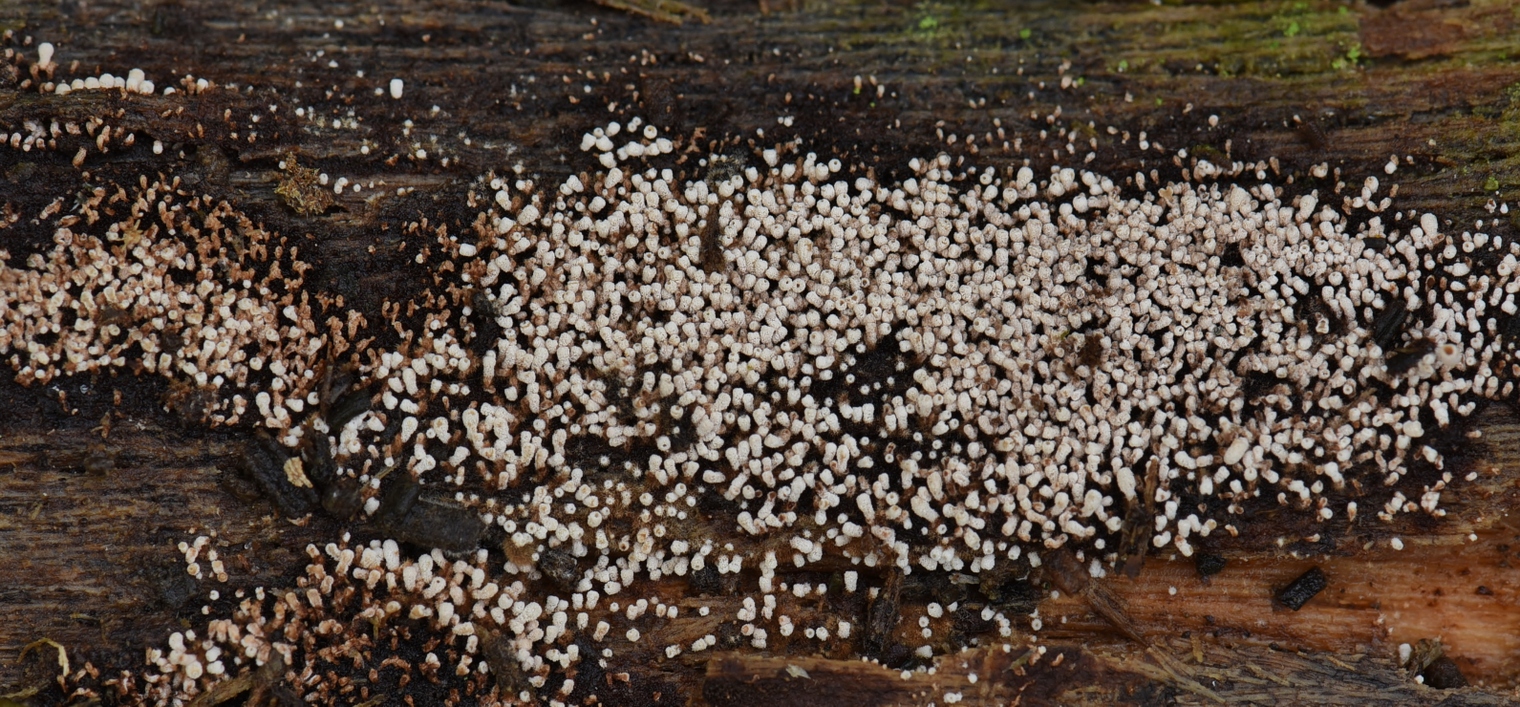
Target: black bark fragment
point(1301, 590)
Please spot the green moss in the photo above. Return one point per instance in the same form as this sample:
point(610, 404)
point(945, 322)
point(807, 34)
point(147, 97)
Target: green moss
point(1257, 38)
point(1350, 59)
point(937, 23)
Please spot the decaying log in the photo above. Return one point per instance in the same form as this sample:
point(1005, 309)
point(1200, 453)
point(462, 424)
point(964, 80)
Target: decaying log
point(101, 478)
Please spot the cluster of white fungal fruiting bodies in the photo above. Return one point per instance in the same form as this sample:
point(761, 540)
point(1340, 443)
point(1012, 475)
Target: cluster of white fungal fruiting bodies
point(981, 359)
point(160, 281)
point(947, 373)
point(136, 80)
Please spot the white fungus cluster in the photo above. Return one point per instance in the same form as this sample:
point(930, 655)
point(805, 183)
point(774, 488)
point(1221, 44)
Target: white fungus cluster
point(480, 623)
point(984, 361)
point(157, 280)
point(44, 76)
point(946, 373)
point(136, 81)
point(305, 628)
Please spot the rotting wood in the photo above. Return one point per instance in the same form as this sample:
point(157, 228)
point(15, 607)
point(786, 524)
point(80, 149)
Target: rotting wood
point(94, 517)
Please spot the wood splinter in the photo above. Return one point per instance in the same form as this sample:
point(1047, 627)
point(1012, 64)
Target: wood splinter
point(1069, 576)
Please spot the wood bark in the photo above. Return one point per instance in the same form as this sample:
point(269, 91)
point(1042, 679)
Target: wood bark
point(95, 493)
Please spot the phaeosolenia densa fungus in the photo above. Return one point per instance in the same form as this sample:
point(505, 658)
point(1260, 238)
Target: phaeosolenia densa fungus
point(959, 371)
